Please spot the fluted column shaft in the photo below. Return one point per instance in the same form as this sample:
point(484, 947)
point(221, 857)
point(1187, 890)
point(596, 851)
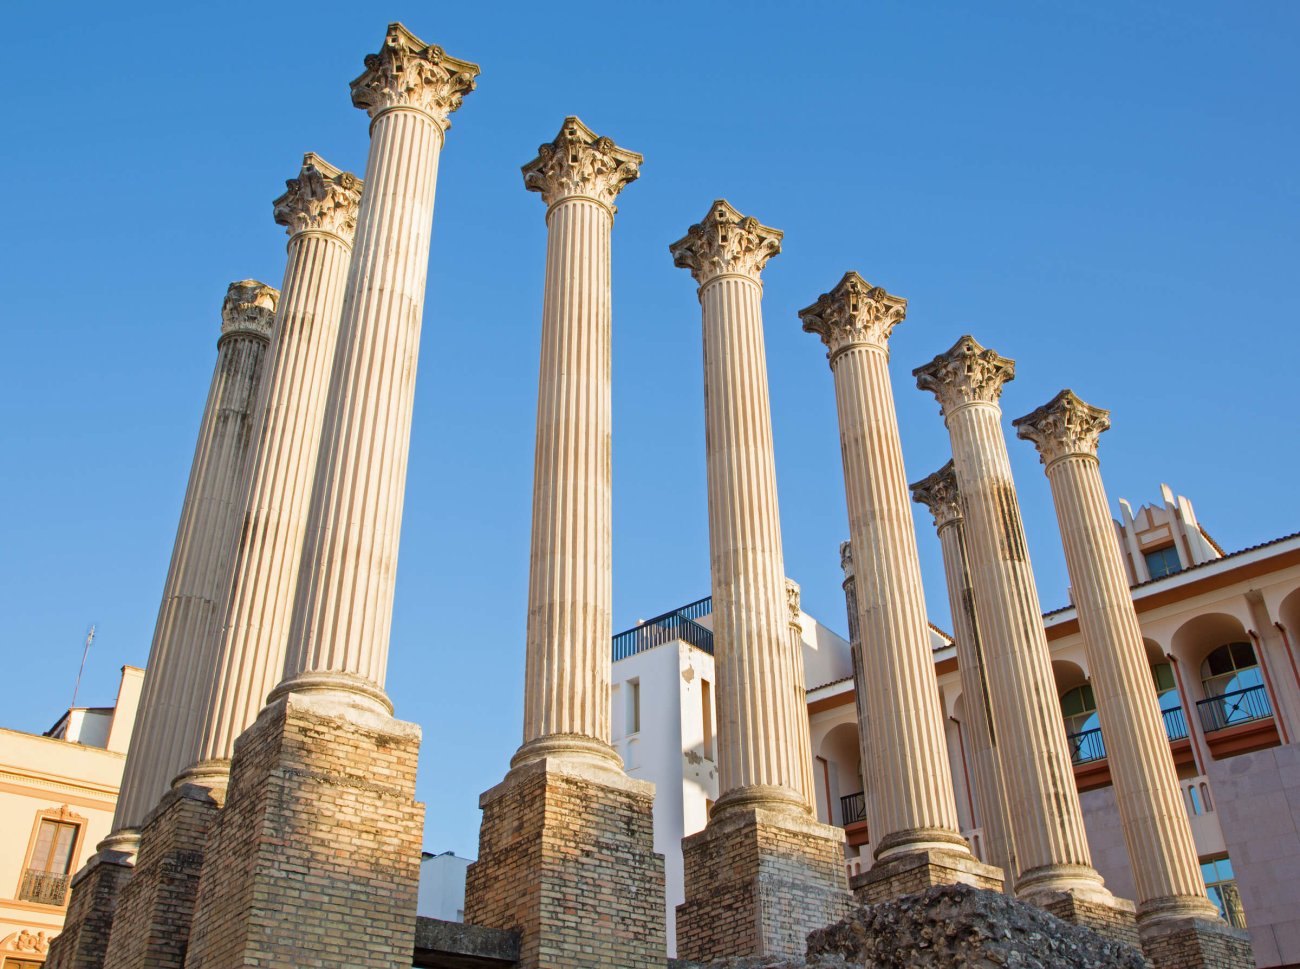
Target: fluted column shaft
point(320, 211)
point(183, 655)
point(850, 587)
point(803, 730)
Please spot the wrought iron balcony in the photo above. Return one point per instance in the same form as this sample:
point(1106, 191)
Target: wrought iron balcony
point(678, 624)
point(1175, 723)
point(1237, 706)
point(1086, 746)
point(43, 887)
point(853, 807)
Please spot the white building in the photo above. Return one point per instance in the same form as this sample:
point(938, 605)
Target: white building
point(442, 886)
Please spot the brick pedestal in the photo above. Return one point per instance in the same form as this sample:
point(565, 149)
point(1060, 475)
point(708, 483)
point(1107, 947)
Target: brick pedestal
point(152, 925)
point(1114, 918)
point(315, 859)
point(757, 882)
point(566, 858)
point(1196, 944)
point(918, 870)
point(96, 892)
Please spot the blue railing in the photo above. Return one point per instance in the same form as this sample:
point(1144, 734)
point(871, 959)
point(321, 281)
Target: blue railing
point(1238, 706)
point(853, 807)
point(1086, 746)
point(1175, 723)
point(678, 624)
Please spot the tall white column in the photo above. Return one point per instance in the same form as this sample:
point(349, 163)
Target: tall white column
point(913, 806)
point(570, 599)
point(1166, 871)
point(319, 211)
point(1046, 820)
point(757, 669)
point(939, 493)
point(342, 614)
point(182, 658)
point(793, 598)
point(850, 587)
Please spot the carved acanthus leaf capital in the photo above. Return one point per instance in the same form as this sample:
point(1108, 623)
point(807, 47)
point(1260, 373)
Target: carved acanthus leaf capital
point(846, 559)
point(792, 596)
point(322, 197)
point(408, 73)
point(249, 307)
point(964, 374)
point(726, 242)
point(1064, 425)
point(581, 163)
point(853, 313)
point(939, 493)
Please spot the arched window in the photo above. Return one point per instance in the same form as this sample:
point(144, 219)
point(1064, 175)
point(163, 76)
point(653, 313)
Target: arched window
point(1230, 668)
point(1171, 705)
point(1082, 728)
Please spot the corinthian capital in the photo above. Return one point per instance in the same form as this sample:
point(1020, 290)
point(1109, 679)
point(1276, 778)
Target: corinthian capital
point(249, 307)
point(854, 313)
point(939, 493)
point(321, 198)
point(726, 242)
point(408, 73)
point(846, 559)
point(792, 597)
point(965, 374)
point(581, 163)
point(1064, 425)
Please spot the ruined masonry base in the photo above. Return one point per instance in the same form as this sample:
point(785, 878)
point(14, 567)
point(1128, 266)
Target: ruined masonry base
point(1115, 920)
point(918, 870)
point(152, 925)
point(95, 894)
point(757, 882)
point(315, 859)
point(1197, 944)
point(566, 858)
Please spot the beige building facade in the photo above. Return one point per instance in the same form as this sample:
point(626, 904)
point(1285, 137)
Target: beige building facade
point(58, 792)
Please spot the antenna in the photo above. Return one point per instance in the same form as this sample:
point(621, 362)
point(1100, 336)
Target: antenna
point(90, 638)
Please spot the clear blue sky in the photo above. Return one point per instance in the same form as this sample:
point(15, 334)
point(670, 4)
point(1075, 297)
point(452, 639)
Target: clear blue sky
point(1105, 192)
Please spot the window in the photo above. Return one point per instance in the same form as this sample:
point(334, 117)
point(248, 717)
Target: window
point(706, 713)
point(1230, 668)
point(1162, 562)
point(45, 879)
point(1082, 728)
point(1171, 704)
point(633, 706)
point(1221, 886)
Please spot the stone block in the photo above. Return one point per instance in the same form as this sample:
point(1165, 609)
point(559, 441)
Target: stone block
point(96, 891)
point(566, 859)
point(315, 858)
point(1114, 918)
point(152, 925)
point(757, 882)
point(918, 870)
point(1196, 944)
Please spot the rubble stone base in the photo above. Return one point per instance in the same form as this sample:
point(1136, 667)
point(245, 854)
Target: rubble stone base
point(152, 925)
point(918, 870)
point(315, 859)
point(757, 882)
point(1197, 944)
point(1114, 919)
point(566, 859)
point(95, 894)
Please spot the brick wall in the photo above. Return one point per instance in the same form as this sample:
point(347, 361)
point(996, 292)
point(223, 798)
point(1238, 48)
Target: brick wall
point(84, 939)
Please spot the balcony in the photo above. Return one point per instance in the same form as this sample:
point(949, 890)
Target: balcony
point(1086, 746)
point(678, 624)
point(1175, 724)
point(43, 887)
point(1232, 708)
point(853, 808)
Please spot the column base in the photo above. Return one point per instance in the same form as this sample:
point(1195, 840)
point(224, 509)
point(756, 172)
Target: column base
point(758, 880)
point(315, 859)
point(152, 925)
point(566, 859)
point(96, 891)
point(916, 871)
point(1195, 943)
point(1104, 914)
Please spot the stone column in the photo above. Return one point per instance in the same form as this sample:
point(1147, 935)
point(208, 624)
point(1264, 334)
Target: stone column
point(761, 831)
point(325, 765)
point(168, 724)
point(1054, 865)
point(793, 597)
point(566, 817)
point(152, 926)
point(850, 587)
point(1166, 872)
point(913, 813)
point(939, 493)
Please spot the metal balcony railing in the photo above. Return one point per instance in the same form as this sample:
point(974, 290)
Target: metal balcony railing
point(1175, 723)
point(1086, 746)
point(1237, 706)
point(853, 807)
point(678, 624)
point(43, 887)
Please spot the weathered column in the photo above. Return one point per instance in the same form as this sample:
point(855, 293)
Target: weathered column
point(793, 598)
point(913, 813)
point(1178, 924)
point(761, 832)
point(850, 587)
point(566, 817)
point(1054, 865)
point(325, 765)
point(939, 493)
point(168, 725)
